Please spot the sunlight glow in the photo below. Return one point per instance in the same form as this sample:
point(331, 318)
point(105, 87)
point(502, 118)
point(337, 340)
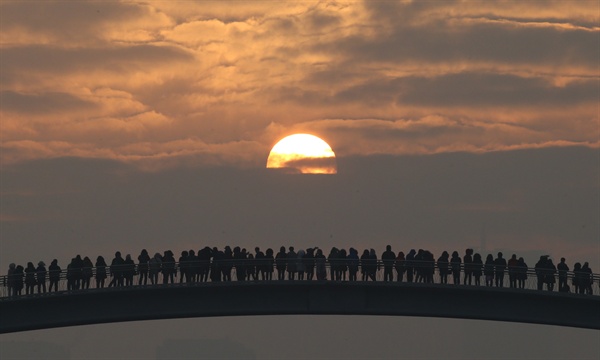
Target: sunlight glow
point(303, 153)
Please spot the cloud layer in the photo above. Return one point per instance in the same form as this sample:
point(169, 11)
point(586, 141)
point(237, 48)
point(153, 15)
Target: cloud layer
point(222, 82)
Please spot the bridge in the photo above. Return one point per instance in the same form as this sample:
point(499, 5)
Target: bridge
point(288, 297)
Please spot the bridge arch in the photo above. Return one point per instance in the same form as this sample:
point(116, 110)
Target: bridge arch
point(298, 297)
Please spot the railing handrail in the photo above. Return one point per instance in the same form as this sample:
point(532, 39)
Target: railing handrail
point(271, 265)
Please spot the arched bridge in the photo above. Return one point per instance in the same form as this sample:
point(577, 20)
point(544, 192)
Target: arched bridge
point(297, 297)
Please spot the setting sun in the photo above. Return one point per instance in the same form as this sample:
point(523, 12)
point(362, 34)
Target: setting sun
point(303, 153)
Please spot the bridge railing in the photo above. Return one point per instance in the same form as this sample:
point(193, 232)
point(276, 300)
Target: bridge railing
point(176, 274)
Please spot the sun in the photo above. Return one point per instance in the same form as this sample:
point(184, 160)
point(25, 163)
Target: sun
point(304, 154)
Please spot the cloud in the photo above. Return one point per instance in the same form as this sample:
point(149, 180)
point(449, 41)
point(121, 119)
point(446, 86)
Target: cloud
point(116, 76)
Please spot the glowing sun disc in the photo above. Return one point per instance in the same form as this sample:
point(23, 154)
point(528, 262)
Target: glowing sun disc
point(303, 153)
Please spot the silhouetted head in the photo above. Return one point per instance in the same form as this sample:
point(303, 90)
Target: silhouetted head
point(282, 249)
point(320, 252)
point(291, 248)
point(455, 254)
point(54, 262)
point(118, 254)
point(100, 259)
point(191, 253)
point(489, 257)
point(237, 249)
point(30, 264)
point(412, 252)
point(469, 251)
point(400, 255)
point(445, 254)
point(128, 257)
point(144, 252)
point(562, 260)
point(500, 255)
point(78, 257)
point(514, 256)
point(366, 252)
point(388, 248)
point(12, 266)
point(256, 249)
point(184, 253)
point(269, 252)
point(477, 256)
point(157, 256)
point(41, 263)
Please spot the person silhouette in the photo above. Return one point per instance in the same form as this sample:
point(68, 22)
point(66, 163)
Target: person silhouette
point(300, 264)
point(259, 258)
point(443, 264)
point(410, 265)
point(468, 264)
point(388, 257)
point(320, 262)
point(251, 266)
point(364, 265)
point(227, 263)
point(116, 270)
point(40, 276)
point(269, 263)
point(29, 278)
point(488, 270)
point(373, 265)
point(521, 273)
point(183, 266)
point(194, 268)
point(204, 256)
point(353, 262)
point(216, 265)
point(549, 277)
point(100, 272)
point(280, 263)
point(77, 271)
point(18, 280)
point(333, 263)
point(512, 271)
point(577, 279)
point(540, 271)
point(477, 268)
point(10, 279)
point(154, 267)
point(563, 270)
point(309, 263)
point(169, 270)
point(143, 264)
point(455, 264)
point(586, 279)
point(292, 259)
point(128, 270)
point(499, 268)
point(400, 265)
point(54, 275)
point(239, 258)
point(86, 272)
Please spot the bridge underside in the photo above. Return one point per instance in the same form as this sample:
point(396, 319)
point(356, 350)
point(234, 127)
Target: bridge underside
point(286, 298)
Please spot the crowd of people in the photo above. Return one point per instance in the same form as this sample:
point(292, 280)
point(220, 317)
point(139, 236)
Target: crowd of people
point(215, 265)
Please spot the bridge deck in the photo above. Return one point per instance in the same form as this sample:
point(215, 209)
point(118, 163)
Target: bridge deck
point(298, 297)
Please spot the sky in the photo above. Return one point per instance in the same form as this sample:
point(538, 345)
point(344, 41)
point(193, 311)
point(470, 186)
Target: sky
point(147, 124)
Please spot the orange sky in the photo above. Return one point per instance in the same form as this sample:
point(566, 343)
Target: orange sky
point(205, 83)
